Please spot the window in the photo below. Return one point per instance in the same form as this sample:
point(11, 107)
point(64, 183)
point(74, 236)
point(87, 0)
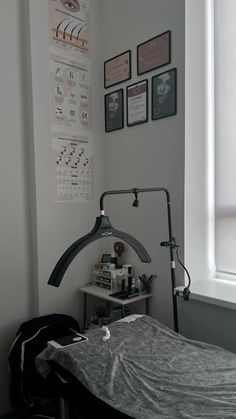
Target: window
point(225, 135)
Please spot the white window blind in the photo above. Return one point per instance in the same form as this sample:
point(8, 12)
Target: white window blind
point(225, 135)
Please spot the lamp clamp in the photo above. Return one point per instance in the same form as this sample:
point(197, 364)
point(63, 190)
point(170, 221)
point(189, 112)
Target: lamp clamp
point(171, 243)
point(186, 294)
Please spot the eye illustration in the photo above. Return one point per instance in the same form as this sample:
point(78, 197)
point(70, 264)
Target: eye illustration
point(72, 5)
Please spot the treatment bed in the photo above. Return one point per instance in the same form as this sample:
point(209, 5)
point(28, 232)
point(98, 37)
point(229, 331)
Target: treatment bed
point(146, 371)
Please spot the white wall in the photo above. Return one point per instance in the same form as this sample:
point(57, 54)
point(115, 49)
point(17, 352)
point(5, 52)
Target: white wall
point(15, 255)
point(34, 230)
point(151, 154)
point(60, 224)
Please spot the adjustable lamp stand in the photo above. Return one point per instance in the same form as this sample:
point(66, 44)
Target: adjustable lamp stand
point(171, 243)
point(103, 229)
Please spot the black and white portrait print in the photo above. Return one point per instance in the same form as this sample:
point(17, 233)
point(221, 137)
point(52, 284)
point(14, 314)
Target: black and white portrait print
point(114, 112)
point(164, 94)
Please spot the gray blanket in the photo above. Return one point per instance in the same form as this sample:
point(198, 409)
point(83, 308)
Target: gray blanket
point(148, 371)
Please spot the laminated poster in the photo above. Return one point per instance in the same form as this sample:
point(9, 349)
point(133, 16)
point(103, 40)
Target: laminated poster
point(73, 168)
point(69, 25)
point(70, 92)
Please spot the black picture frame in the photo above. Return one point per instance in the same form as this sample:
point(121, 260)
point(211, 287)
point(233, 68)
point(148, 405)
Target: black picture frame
point(137, 103)
point(164, 94)
point(154, 53)
point(114, 110)
point(106, 258)
point(117, 69)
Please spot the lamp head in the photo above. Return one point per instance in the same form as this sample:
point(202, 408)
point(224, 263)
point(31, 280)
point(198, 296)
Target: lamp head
point(101, 229)
point(135, 203)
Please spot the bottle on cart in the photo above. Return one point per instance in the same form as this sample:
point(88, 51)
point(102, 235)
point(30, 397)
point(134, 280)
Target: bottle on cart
point(129, 274)
point(138, 285)
point(133, 288)
point(114, 259)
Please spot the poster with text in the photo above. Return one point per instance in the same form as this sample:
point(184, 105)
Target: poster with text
point(73, 168)
point(70, 93)
point(69, 25)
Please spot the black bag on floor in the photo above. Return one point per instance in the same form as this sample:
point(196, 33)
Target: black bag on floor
point(30, 393)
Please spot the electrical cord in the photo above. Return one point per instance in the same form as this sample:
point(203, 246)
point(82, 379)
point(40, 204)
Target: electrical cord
point(186, 291)
point(172, 244)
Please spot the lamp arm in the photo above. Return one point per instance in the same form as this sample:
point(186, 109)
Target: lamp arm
point(114, 192)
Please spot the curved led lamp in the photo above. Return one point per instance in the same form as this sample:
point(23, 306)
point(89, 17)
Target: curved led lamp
point(101, 229)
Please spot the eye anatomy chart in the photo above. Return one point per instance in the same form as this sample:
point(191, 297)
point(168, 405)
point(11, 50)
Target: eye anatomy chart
point(70, 85)
point(73, 168)
point(69, 25)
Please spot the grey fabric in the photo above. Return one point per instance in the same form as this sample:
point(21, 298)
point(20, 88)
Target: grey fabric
point(148, 371)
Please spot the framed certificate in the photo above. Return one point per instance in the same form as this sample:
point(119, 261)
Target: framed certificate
point(137, 103)
point(117, 69)
point(154, 53)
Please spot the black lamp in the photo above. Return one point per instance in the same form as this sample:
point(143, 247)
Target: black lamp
point(103, 228)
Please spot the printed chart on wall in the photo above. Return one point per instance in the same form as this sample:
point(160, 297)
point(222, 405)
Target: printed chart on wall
point(73, 168)
point(69, 25)
point(70, 85)
point(70, 94)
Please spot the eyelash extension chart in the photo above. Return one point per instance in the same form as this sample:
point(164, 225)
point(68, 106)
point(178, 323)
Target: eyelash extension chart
point(70, 93)
point(69, 25)
point(73, 167)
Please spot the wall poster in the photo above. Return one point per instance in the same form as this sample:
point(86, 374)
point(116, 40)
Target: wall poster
point(73, 168)
point(69, 25)
point(70, 100)
point(70, 84)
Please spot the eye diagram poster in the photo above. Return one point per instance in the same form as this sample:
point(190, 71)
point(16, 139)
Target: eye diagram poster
point(70, 85)
point(73, 168)
point(69, 25)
